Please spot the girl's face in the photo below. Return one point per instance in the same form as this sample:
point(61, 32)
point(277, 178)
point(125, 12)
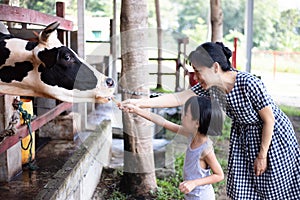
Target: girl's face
point(206, 76)
point(188, 122)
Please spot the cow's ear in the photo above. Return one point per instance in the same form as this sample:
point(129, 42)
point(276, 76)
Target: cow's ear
point(48, 57)
point(48, 30)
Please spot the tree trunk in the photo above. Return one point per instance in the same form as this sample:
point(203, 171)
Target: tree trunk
point(159, 44)
point(216, 21)
point(139, 171)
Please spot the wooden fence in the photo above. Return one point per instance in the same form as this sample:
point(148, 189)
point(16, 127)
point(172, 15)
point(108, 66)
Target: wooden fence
point(26, 16)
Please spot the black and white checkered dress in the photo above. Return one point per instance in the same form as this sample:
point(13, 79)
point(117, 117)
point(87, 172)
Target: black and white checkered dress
point(282, 177)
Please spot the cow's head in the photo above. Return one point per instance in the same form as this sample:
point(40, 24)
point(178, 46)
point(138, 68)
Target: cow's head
point(49, 69)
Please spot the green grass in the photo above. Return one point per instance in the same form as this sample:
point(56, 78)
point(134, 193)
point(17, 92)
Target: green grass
point(226, 130)
point(168, 187)
point(161, 90)
point(290, 111)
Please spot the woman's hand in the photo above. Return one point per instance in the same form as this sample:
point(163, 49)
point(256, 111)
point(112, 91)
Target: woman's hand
point(187, 186)
point(124, 105)
point(260, 165)
point(130, 108)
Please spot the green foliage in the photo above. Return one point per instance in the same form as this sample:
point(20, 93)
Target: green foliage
point(233, 16)
point(44, 6)
point(117, 195)
point(263, 23)
point(160, 90)
point(98, 8)
point(287, 30)
point(226, 128)
point(200, 29)
point(168, 187)
point(276, 29)
point(189, 13)
point(290, 111)
point(223, 162)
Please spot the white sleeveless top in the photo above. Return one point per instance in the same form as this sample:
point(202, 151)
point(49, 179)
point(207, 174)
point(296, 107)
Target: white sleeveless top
point(192, 170)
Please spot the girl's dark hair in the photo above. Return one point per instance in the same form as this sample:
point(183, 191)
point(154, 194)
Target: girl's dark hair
point(208, 53)
point(208, 112)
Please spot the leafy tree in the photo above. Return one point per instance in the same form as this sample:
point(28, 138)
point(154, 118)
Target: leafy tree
point(45, 6)
point(199, 34)
point(98, 8)
point(234, 16)
point(263, 23)
point(287, 31)
point(189, 13)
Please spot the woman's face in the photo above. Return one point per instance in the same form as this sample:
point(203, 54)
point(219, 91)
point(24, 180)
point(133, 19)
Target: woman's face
point(205, 76)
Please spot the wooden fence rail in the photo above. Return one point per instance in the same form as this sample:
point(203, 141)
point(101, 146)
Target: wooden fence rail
point(27, 16)
point(22, 130)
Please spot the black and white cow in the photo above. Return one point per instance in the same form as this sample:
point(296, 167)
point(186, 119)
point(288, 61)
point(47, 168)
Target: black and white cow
point(49, 69)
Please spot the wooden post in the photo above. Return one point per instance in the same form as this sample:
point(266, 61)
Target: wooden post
point(234, 52)
point(43, 105)
point(60, 12)
point(10, 160)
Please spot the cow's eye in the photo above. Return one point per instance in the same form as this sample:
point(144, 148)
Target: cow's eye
point(67, 57)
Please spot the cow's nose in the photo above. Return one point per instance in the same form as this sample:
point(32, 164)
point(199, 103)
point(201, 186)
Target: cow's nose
point(110, 82)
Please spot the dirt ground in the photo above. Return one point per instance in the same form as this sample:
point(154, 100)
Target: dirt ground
point(110, 179)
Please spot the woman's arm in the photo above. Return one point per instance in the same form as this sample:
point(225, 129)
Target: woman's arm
point(163, 101)
point(157, 119)
point(260, 163)
point(216, 176)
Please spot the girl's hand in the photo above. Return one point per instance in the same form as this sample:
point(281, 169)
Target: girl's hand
point(187, 186)
point(260, 165)
point(129, 102)
point(130, 108)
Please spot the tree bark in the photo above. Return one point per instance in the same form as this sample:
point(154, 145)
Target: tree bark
point(139, 171)
point(216, 21)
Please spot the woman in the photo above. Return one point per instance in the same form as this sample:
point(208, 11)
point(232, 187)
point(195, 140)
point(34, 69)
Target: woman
point(264, 154)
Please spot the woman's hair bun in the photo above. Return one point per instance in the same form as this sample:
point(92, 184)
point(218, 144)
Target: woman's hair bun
point(225, 49)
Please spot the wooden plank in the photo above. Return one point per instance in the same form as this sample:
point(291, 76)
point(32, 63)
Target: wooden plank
point(23, 15)
point(35, 124)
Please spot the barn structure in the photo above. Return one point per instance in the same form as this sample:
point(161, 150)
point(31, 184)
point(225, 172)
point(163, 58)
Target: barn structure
point(86, 146)
point(78, 176)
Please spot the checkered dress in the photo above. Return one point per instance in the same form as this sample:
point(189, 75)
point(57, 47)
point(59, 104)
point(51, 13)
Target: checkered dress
point(282, 177)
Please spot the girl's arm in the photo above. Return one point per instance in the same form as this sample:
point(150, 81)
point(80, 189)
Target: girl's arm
point(216, 176)
point(260, 163)
point(157, 119)
point(163, 101)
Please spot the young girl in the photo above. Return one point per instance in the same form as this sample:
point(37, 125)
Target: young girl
point(201, 116)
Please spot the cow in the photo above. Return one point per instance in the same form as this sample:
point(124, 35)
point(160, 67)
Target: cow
point(49, 69)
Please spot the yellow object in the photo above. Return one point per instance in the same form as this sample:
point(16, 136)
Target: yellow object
point(27, 105)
